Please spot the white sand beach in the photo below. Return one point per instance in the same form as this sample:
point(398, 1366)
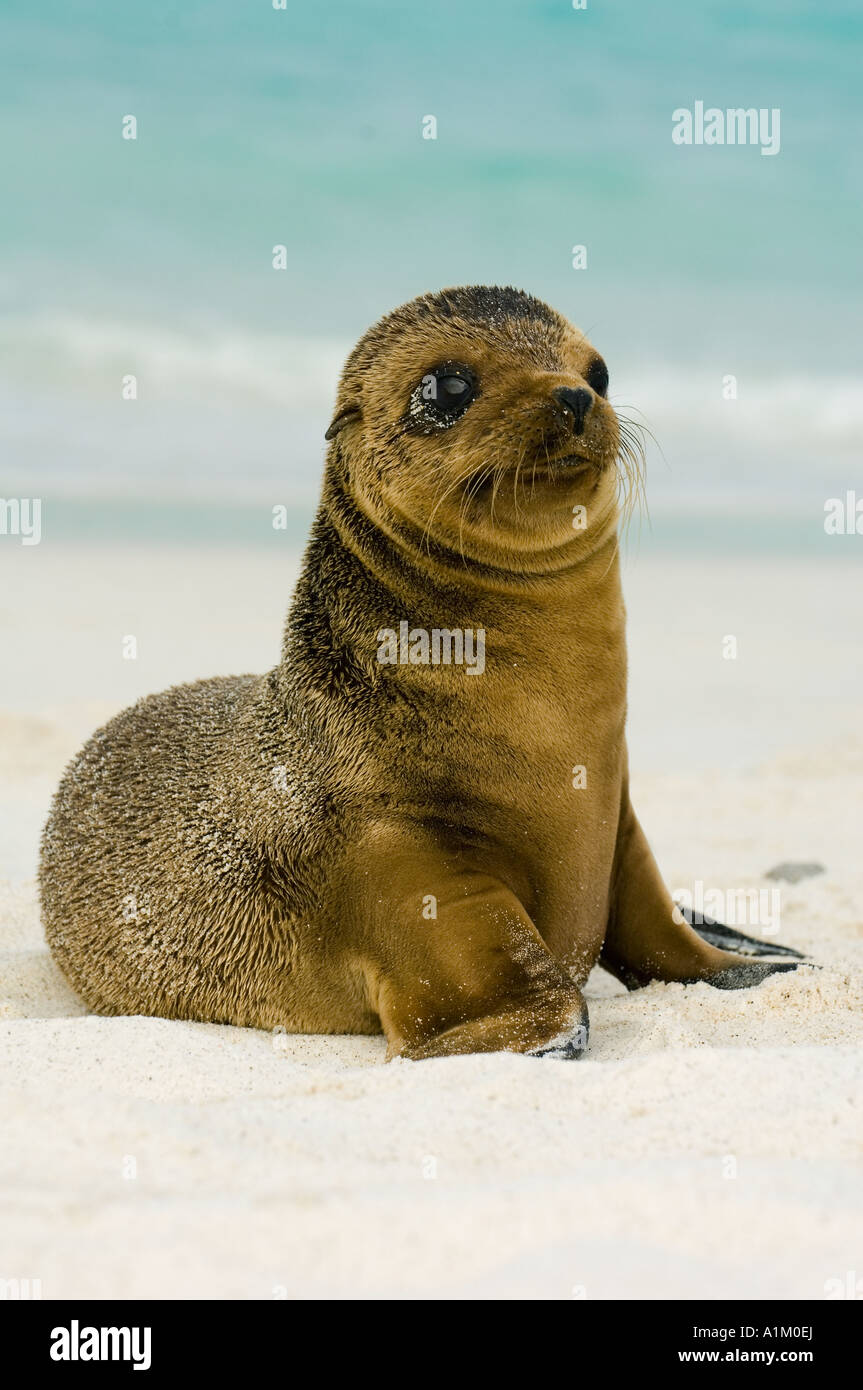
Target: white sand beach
point(710, 1146)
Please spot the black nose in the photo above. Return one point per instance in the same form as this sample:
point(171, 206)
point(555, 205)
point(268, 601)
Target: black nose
point(576, 402)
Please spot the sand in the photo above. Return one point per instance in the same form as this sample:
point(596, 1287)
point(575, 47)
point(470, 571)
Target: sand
point(709, 1147)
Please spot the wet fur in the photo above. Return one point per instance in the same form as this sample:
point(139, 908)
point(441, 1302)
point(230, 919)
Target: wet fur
point(260, 850)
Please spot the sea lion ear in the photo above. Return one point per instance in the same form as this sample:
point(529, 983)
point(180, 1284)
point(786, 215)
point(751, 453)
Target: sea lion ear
point(344, 417)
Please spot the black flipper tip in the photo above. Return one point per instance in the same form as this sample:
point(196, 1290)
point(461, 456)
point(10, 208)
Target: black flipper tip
point(745, 976)
point(727, 939)
point(565, 1049)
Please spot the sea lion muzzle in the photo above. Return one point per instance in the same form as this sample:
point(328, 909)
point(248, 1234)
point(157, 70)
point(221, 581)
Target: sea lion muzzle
point(575, 403)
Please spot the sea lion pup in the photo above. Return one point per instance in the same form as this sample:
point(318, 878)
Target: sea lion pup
point(368, 838)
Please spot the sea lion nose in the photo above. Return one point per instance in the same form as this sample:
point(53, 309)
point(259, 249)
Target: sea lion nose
point(576, 402)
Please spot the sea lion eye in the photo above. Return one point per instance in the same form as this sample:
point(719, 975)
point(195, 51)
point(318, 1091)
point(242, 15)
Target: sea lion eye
point(441, 397)
point(449, 389)
point(596, 376)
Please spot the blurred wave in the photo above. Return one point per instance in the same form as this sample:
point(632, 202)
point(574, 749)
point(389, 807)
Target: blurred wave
point(303, 128)
point(95, 354)
point(233, 413)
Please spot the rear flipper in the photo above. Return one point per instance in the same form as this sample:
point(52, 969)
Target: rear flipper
point(727, 939)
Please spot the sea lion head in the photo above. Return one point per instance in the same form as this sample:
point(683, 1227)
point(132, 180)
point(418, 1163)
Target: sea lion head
point(477, 420)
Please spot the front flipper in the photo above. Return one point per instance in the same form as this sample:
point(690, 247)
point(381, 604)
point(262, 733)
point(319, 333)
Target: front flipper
point(727, 939)
point(449, 959)
point(649, 938)
point(745, 976)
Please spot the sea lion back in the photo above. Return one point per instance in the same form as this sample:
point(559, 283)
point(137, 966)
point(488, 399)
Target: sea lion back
point(155, 850)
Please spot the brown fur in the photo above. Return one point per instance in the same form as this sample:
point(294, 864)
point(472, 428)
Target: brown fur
point(259, 850)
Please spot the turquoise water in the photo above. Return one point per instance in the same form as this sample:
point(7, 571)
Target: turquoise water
point(302, 127)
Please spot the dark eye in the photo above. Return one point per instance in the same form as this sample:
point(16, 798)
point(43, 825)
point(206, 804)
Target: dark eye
point(453, 391)
point(449, 389)
point(597, 376)
point(440, 398)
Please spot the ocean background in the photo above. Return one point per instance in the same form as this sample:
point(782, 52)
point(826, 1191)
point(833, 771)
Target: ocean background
point(303, 127)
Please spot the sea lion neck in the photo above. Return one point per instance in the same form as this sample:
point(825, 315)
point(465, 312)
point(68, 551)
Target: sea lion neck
point(357, 580)
point(401, 555)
